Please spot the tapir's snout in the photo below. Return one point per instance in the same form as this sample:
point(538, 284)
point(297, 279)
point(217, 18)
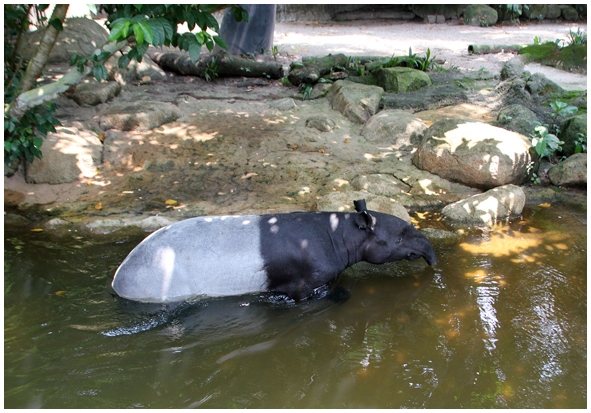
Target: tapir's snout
point(427, 252)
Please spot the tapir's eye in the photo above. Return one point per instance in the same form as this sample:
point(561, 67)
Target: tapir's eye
point(399, 240)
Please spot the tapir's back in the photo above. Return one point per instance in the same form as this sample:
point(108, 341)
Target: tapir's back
point(213, 256)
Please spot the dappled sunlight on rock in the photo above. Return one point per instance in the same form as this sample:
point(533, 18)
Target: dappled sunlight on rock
point(190, 132)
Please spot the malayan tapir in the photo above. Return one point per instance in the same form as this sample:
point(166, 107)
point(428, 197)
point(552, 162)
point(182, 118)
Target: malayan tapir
point(291, 254)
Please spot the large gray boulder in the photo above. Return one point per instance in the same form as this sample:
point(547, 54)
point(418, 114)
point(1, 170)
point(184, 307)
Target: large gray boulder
point(474, 153)
point(69, 154)
point(355, 101)
point(570, 172)
point(553, 11)
point(480, 15)
point(139, 116)
point(395, 127)
point(401, 79)
point(487, 209)
point(80, 35)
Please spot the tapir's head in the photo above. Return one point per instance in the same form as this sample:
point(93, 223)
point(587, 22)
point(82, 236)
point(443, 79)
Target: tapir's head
point(390, 238)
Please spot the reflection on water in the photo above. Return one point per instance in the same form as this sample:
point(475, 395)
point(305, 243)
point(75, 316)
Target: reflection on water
point(499, 322)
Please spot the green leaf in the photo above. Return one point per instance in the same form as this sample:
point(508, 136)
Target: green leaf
point(209, 43)
point(211, 22)
point(7, 146)
point(147, 32)
point(139, 33)
point(158, 34)
point(200, 36)
point(194, 51)
point(168, 29)
point(100, 72)
point(37, 142)
point(57, 24)
point(123, 61)
point(120, 30)
point(220, 42)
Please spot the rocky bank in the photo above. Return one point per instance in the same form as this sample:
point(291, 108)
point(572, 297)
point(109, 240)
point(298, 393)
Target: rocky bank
point(149, 148)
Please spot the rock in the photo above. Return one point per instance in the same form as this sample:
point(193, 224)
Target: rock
point(513, 91)
point(283, 104)
point(80, 35)
point(138, 116)
point(394, 127)
point(570, 172)
point(474, 153)
point(355, 101)
point(569, 13)
point(401, 79)
point(442, 236)
point(513, 67)
point(380, 184)
point(430, 98)
point(343, 202)
point(572, 129)
point(93, 93)
point(535, 11)
point(518, 118)
point(480, 15)
point(553, 11)
point(487, 209)
point(449, 11)
point(322, 123)
point(135, 71)
point(105, 226)
point(539, 86)
point(70, 153)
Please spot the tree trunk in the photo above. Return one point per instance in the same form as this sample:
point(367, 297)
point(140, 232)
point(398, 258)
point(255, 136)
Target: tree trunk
point(37, 63)
point(225, 64)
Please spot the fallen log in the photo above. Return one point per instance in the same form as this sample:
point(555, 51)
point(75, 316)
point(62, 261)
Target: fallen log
point(494, 48)
point(312, 70)
point(218, 64)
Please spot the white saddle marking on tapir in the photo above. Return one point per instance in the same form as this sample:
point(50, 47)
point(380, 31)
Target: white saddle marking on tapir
point(211, 256)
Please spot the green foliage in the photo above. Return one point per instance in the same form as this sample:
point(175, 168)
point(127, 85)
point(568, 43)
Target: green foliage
point(562, 109)
point(413, 61)
point(306, 89)
point(576, 38)
point(23, 137)
point(211, 70)
point(156, 24)
point(545, 143)
point(581, 143)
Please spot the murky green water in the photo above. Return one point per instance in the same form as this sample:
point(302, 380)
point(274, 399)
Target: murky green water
point(501, 321)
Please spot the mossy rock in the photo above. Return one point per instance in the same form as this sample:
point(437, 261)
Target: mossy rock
point(480, 15)
point(570, 58)
point(401, 79)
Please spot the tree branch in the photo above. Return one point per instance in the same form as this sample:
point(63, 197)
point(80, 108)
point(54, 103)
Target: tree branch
point(37, 63)
point(46, 93)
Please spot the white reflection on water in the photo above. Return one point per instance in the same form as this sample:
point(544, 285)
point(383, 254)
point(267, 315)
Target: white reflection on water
point(486, 297)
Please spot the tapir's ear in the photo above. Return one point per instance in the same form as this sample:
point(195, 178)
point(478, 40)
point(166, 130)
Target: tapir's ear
point(363, 219)
point(360, 205)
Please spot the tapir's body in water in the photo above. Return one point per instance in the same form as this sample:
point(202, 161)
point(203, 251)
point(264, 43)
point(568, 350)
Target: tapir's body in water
point(292, 254)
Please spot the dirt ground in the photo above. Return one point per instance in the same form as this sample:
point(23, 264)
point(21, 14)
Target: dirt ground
point(234, 151)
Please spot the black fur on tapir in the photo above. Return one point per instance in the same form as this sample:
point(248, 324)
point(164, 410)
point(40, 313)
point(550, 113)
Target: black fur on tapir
point(292, 254)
